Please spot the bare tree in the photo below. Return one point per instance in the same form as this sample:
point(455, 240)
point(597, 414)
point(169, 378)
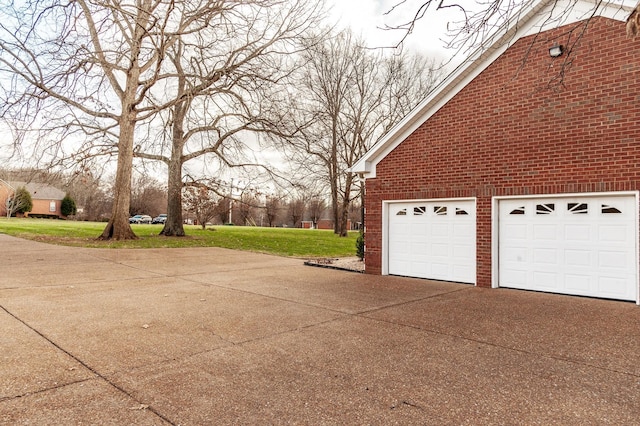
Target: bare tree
point(224, 85)
point(272, 208)
point(202, 203)
point(296, 210)
point(19, 202)
point(89, 66)
point(248, 205)
point(93, 73)
point(222, 210)
point(633, 22)
point(90, 194)
point(351, 96)
point(471, 24)
point(315, 210)
point(147, 196)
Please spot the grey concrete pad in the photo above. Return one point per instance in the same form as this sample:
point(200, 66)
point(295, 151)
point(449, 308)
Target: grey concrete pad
point(590, 331)
point(115, 325)
point(361, 371)
point(93, 402)
point(174, 262)
point(330, 289)
point(213, 336)
point(37, 264)
point(29, 363)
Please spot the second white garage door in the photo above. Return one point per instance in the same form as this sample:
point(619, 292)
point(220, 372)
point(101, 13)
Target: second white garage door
point(433, 239)
point(574, 245)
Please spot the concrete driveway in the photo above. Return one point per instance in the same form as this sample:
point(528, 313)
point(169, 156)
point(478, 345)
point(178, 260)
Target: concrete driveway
point(212, 336)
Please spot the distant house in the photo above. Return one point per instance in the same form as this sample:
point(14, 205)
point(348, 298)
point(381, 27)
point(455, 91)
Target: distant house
point(5, 191)
point(46, 199)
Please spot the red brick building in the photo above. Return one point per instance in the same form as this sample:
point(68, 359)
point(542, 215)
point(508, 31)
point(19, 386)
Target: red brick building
point(522, 168)
point(47, 200)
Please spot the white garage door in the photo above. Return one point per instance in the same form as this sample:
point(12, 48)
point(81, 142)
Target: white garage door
point(434, 239)
point(582, 245)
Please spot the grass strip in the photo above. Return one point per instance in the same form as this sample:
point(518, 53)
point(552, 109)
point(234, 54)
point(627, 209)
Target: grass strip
point(279, 241)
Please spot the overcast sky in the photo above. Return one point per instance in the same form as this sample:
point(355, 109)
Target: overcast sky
point(368, 17)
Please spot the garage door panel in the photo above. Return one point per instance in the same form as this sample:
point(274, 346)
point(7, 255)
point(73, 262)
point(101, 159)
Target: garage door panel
point(400, 250)
point(439, 248)
point(546, 280)
point(463, 231)
point(580, 245)
point(578, 258)
point(419, 250)
point(613, 286)
point(615, 260)
point(440, 230)
point(516, 232)
point(417, 268)
point(578, 283)
point(515, 255)
point(516, 278)
point(545, 255)
point(578, 233)
point(616, 233)
point(465, 270)
point(439, 271)
point(545, 232)
point(441, 237)
point(462, 252)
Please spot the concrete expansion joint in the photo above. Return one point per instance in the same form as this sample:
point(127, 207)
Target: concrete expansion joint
point(495, 345)
point(47, 389)
point(293, 330)
point(434, 296)
point(97, 374)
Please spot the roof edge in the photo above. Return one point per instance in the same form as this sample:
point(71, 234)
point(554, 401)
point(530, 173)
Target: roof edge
point(510, 32)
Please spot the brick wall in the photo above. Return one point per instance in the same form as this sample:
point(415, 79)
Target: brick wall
point(4, 194)
point(42, 207)
point(528, 124)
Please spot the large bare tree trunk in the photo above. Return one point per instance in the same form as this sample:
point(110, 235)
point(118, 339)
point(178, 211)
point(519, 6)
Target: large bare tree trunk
point(118, 227)
point(174, 225)
point(344, 208)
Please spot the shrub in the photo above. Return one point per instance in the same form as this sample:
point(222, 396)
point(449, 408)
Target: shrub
point(360, 245)
point(68, 206)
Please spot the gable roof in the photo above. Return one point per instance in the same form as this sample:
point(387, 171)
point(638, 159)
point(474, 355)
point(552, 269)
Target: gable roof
point(40, 191)
point(534, 17)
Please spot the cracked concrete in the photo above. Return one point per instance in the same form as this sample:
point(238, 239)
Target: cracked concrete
point(215, 336)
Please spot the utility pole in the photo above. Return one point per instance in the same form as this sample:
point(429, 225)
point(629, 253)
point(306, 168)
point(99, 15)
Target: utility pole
point(231, 203)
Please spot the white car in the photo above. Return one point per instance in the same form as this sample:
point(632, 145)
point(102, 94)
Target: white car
point(161, 218)
point(140, 218)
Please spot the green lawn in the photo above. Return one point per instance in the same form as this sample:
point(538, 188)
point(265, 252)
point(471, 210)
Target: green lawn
point(279, 241)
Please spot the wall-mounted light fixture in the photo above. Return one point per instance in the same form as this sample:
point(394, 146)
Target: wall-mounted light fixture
point(556, 50)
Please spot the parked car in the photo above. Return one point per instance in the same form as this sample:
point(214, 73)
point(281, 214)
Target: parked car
point(140, 218)
point(161, 218)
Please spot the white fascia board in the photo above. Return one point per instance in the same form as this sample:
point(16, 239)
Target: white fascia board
point(535, 16)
